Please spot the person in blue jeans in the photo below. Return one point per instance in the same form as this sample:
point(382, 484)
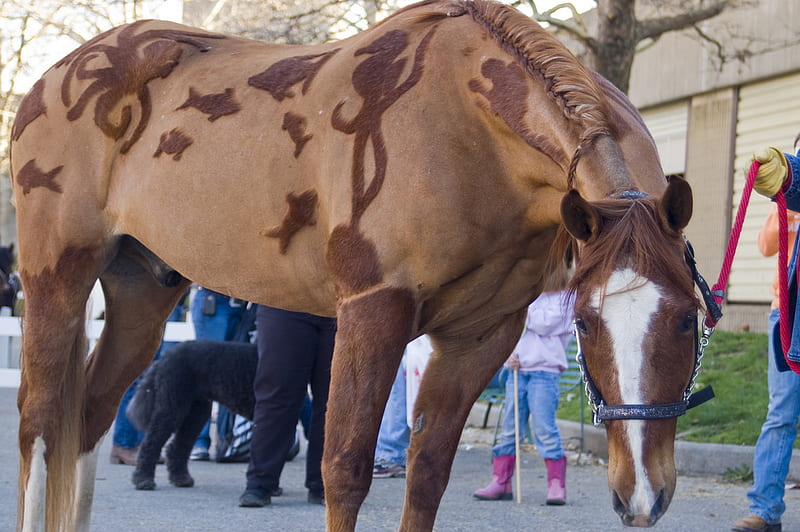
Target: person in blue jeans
point(773, 451)
point(394, 434)
point(540, 358)
point(215, 317)
point(126, 438)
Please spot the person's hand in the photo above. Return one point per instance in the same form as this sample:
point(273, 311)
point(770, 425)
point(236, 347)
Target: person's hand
point(513, 362)
point(772, 172)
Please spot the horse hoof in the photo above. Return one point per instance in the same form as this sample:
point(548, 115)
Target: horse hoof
point(145, 485)
point(183, 481)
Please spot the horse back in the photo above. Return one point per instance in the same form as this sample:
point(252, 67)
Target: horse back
point(397, 156)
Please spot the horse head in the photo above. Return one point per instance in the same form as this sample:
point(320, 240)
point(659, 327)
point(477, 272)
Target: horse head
point(636, 318)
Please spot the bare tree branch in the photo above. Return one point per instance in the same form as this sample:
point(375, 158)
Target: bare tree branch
point(651, 28)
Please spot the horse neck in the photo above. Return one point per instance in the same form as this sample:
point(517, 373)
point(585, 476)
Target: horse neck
point(601, 172)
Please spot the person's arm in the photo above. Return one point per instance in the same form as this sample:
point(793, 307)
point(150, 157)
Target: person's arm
point(778, 171)
point(767, 239)
point(792, 184)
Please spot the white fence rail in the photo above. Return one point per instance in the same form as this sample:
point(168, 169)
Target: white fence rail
point(10, 335)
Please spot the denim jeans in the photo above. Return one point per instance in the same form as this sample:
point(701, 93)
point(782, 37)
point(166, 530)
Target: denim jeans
point(221, 326)
point(774, 446)
point(538, 398)
point(394, 434)
point(125, 434)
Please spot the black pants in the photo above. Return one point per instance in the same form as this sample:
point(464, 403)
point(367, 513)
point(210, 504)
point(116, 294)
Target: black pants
point(294, 350)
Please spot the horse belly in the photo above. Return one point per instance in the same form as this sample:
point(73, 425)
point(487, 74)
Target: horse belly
point(228, 232)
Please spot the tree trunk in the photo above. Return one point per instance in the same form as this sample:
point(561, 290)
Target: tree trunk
point(615, 45)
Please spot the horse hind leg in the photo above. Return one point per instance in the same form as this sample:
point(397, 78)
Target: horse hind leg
point(138, 303)
point(50, 397)
point(453, 380)
point(86, 468)
point(137, 306)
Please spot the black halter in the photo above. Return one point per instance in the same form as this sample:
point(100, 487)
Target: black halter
point(603, 412)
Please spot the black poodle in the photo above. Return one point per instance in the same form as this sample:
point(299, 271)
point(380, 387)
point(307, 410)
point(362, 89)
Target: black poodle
point(175, 395)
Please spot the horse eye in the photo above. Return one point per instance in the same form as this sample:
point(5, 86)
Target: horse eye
point(580, 325)
point(688, 323)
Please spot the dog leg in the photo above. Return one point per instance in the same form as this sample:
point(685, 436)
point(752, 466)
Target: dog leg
point(181, 446)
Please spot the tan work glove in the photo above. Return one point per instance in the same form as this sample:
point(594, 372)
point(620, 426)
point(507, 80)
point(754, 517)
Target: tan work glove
point(772, 172)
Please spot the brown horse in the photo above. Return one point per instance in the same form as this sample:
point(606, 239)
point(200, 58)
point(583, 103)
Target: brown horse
point(408, 180)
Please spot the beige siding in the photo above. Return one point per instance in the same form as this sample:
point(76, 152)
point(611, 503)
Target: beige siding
point(708, 170)
point(668, 125)
point(768, 115)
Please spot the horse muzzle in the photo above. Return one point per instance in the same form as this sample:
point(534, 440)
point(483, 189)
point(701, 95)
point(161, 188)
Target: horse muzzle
point(640, 516)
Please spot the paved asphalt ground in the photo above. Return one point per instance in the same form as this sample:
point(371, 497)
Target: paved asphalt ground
point(700, 504)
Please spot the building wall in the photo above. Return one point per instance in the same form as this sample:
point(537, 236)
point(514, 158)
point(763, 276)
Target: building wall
point(734, 109)
point(679, 66)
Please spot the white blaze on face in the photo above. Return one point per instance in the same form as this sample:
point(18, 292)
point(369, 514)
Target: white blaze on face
point(33, 520)
point(627, 309)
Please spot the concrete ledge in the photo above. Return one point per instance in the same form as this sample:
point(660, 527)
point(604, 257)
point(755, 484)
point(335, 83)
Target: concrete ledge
point(594, 438)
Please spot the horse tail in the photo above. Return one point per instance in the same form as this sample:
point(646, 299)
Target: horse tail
point(141, 406)
point(54, 454)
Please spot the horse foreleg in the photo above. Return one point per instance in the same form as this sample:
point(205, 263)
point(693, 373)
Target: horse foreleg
point(373, 330)
point(455, 376)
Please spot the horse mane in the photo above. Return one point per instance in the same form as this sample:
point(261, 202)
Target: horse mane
point(632, 229)
point(566, 81)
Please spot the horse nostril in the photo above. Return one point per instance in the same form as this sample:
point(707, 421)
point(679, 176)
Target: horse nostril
point(620, 507)
point(659, 507)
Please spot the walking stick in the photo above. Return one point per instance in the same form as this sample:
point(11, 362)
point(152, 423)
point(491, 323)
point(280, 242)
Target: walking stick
point(516, 435)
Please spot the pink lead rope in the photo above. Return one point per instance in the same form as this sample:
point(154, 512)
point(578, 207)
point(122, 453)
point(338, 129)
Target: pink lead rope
point(783, 280)
point(783, 262)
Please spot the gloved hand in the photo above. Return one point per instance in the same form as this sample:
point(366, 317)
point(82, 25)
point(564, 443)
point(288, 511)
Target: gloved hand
point(772, 172)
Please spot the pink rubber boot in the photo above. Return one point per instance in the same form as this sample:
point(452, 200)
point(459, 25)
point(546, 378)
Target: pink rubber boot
point(556, 481)
point(499, 489)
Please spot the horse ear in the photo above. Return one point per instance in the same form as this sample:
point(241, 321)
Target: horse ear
point(580, 218)
point(675, 207)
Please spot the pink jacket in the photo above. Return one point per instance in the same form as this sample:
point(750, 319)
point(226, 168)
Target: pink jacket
point(548, 329)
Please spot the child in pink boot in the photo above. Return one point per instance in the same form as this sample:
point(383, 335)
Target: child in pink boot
point(540, 357)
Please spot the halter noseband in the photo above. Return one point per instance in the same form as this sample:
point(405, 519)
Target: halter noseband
point(602, 412)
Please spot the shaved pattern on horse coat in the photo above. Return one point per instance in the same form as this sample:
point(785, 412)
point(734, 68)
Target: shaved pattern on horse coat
point(508, 88)
point(279, 78)
point(31, 107)
point(174, 143)
point(31, 176)
point(127, 73)
point(295, 125)
point(300, 213)
point(214, 105)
